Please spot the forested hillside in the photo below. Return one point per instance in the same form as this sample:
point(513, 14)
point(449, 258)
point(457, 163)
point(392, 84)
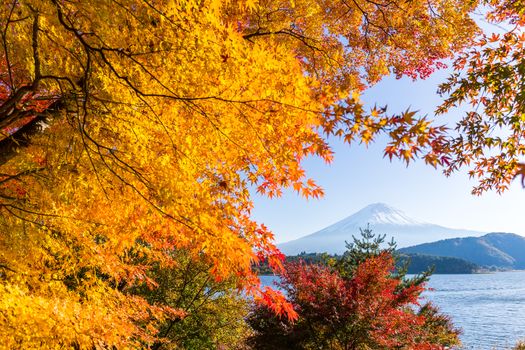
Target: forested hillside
point(417, 263)
point(494, 250)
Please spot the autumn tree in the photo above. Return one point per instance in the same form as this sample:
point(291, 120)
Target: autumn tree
point(131, 128)
point(359, 302)
point(489, 83)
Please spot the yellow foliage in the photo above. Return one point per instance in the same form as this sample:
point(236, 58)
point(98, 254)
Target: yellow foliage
point(162, 115)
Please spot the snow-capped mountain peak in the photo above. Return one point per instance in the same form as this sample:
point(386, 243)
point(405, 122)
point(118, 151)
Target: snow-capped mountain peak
point(380, 213)
point(373, 214)
point(383, 219)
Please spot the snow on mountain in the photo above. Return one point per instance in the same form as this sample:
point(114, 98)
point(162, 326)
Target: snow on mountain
point(383, 219)
point(374, 214)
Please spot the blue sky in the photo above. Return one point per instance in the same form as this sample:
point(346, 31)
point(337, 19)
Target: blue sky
point(359, 176)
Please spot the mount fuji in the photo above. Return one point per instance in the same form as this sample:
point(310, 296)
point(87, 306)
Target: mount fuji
point(383, 219)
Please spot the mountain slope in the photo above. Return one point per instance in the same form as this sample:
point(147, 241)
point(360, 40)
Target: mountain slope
point(511, 244)
point(501, 250)
point(441, 264)
point(383, 219)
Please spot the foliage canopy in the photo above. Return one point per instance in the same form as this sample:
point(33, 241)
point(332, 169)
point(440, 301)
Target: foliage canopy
point(131, 128)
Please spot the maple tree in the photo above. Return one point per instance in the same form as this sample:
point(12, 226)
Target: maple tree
point(489, 78)
point(131, 128)
point(357, 303)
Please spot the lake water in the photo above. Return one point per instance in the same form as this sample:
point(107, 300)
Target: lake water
point(489, 308)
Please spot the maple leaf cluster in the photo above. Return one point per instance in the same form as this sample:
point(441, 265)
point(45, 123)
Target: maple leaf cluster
point(488, 82)
point(369, 308)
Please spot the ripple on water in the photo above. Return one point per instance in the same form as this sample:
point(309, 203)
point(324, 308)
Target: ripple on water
point(489, 308)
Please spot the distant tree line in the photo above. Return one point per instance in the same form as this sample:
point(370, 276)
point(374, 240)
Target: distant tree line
point(416, 263)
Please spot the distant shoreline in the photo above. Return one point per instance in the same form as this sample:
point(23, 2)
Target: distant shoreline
point(484, 272)
point(417, 263)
